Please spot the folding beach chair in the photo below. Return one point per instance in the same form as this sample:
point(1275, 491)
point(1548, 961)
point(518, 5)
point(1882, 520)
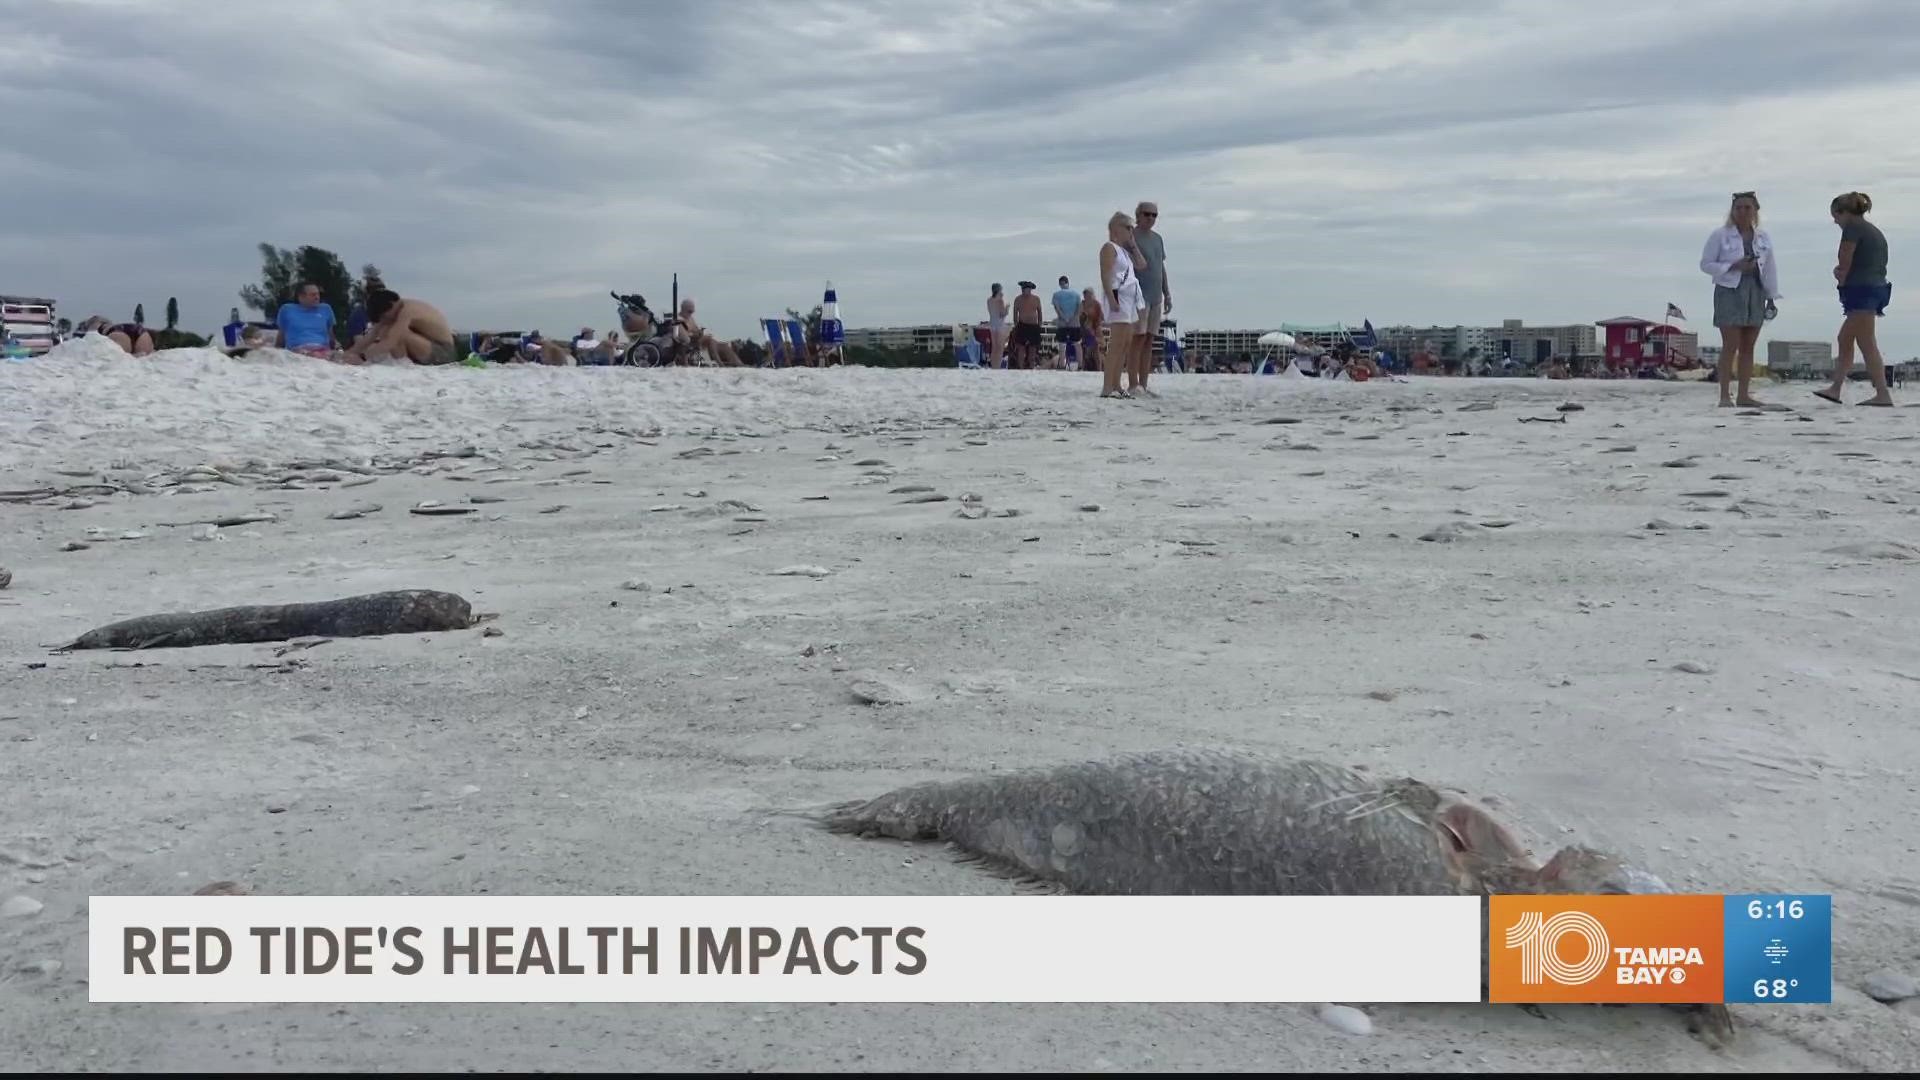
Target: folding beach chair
point(776, 343)
point(967, 356)
point(797, 330)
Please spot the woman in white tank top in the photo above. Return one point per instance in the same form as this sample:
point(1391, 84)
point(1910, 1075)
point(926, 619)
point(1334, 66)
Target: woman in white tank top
point(1122, 302)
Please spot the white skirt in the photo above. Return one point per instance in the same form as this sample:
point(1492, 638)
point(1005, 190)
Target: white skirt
point(1128, 311)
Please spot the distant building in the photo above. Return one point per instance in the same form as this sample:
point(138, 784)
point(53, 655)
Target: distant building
point(1710, 355)
point(1222, 342)
point(1799, 357)
point(1538, 344)
point(1445, 341)
point(939, 338)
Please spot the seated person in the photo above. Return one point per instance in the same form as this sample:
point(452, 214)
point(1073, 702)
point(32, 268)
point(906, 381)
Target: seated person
point(689, 332)
point(131, 337)
point(584, 345)
point(305, 325)
point(403, 329)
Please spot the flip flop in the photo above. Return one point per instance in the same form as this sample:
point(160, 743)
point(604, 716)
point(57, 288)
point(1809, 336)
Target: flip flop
point(1876, 404)
point(1827, 397)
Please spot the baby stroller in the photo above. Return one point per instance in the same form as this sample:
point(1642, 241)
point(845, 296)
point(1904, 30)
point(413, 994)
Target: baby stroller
point(654, 342)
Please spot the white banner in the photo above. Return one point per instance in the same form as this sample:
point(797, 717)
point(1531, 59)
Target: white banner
point(785, 948)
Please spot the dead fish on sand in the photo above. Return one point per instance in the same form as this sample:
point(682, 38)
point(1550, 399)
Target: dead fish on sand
point(1210, 823)
point(407, 611)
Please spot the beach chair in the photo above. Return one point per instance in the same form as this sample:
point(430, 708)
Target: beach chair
point(776, 343)
point(967, 356)
point(797, 330)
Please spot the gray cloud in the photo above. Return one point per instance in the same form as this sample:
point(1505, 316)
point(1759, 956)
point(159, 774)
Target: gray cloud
point(1399, 160)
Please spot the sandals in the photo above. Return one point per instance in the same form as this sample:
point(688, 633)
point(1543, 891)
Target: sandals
point(1824, 396)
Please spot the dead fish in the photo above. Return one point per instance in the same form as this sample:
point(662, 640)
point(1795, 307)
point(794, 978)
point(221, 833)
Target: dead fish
point(224, 522)
point(353, 512)
point(1198, 822)
point(407, 611)
point(1214, 822)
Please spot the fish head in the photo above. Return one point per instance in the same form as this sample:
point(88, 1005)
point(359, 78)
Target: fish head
point(1577, 868)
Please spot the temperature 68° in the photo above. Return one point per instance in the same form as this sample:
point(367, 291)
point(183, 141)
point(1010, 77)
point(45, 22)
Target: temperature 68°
point(1775, 988)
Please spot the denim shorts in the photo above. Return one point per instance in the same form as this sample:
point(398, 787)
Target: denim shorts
point(1874, 298)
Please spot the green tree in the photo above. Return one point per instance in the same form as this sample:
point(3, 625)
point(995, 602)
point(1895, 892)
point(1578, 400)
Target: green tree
point(277, 269)
point(811, 319)
point(173, 313)
point(751, 353)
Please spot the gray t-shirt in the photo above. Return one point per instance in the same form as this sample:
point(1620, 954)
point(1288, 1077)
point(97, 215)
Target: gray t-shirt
point(1152, 273)
point(1869, 253)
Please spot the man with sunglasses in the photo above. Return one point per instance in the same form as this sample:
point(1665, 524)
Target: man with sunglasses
point(1152, 268)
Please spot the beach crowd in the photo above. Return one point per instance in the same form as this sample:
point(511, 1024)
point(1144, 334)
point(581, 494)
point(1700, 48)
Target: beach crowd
point(1111, 329)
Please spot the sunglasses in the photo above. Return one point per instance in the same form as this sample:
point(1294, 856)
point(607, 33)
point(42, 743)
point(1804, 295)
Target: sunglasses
point(1150, 213)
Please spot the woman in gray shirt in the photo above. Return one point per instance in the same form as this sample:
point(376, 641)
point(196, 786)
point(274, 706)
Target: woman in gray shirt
point(1864, 290)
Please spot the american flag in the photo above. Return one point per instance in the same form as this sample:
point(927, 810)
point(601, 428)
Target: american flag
point(1675, 313)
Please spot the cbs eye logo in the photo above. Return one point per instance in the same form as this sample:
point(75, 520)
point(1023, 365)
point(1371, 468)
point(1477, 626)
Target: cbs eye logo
point(1538, 939)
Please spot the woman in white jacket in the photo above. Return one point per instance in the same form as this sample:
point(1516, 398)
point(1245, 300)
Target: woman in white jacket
point(1739, 259)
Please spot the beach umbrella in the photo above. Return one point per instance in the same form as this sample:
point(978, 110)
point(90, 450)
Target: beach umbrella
point(832, 331)
point(1277, 339)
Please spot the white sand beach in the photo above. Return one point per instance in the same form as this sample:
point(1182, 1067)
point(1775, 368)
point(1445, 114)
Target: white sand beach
point(1239, 563)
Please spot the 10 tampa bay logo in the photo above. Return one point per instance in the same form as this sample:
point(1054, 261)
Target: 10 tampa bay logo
point(1607, 948)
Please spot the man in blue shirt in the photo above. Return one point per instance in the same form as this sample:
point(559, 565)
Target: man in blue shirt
point(1066, 312)
point(306, 325)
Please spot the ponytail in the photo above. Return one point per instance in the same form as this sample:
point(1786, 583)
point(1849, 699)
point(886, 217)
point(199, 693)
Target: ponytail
point(1853, 202)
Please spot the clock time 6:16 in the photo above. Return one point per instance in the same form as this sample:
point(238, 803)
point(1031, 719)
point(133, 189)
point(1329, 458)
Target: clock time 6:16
point(1778, 909)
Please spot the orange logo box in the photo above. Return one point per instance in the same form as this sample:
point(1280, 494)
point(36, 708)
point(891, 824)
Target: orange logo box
point(1580, 949)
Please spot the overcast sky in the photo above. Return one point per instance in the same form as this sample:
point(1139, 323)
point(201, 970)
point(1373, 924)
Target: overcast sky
point(1314, 160)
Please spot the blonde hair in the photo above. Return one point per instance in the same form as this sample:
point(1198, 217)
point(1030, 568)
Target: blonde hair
point(1853, 202)
point(1737, 196)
